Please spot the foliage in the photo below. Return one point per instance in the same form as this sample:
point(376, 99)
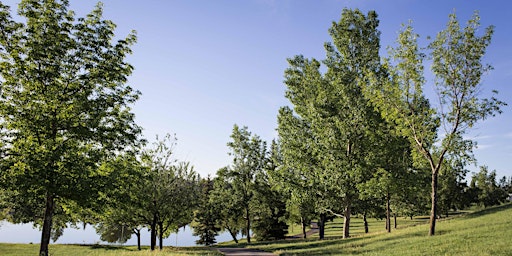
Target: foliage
point(332, 107)
point(487, 189)
point(167, 195)
point(64, 108)
point(249, 159)
point(206, 216)
point(397, 91)
point(270, 211)
point(230, 209)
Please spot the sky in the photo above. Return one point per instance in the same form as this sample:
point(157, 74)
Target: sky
point(203, 66)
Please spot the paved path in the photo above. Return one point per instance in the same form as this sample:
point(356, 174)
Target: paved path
point(243, 252)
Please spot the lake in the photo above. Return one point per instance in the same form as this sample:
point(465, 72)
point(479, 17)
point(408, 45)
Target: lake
point(26, 233)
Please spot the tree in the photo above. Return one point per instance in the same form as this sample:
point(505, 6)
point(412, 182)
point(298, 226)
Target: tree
point(230, 208)
point(457, 66)
point(270, 203)
point(489, 193)
point(452, 187)
point(340, 117)
point(120, 216)
point(249, 153)
point(299, 173)
point(206, 216)
point(64, 106)
point(168, 194)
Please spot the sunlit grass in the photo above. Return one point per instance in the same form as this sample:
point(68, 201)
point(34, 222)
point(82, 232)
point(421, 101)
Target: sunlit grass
point(485, 232)
point(100, 250)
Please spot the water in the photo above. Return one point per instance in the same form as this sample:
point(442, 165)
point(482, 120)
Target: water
point(26, 233)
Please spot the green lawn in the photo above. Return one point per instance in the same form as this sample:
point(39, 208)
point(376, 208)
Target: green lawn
point(484, 232)
point(100, 250)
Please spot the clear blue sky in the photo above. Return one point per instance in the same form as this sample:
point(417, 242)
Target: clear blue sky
point(205, 65)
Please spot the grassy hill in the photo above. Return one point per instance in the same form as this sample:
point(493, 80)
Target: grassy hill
point(484, 232)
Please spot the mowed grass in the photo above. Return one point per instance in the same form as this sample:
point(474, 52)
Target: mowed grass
point(485, 232)
point(101, 250)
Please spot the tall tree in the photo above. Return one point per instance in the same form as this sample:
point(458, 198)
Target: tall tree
point(298, 175)
point(340, 116)
point(64, 105)
point(457, 65)
point(270, 203)
point(249, 159)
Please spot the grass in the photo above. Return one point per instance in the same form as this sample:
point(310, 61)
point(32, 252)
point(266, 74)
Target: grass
point(101, 250)
point(483, 232)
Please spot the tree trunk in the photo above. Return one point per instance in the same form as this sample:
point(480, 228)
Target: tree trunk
point(394, 215)
point(233, 235)
point(137, 233)
point(161, 234)
point(303, 223)
point(321, 226)
point(153, 232)
point(365, 223)
point(248, 225)
point(388, 214)
point(433, 210)
point(47, 225)
point(346, 222)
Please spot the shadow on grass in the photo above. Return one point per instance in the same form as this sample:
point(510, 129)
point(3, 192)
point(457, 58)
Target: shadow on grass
point(317, 247)
point(106, 247)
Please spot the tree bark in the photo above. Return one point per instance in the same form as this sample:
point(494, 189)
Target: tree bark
point(47, 225)
point(233, 235)
point(303, 223)
point(346, 222)
point(248, 225)
point(433, 210)
point(365, 223)
point(388, 213)
point(161, 235)
point(153, 232)
point(137, 233)
point(394, 215)
point(321, 226)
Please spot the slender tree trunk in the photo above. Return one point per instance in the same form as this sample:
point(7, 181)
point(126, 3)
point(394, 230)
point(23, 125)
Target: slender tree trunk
point(153, 232)
point(394, 215)
point(433, 210)
point(303, 223)
point(47, 225)
point(161, 235)
point(365, 223)
point(388, 213)
point(233, 235)
point(346, 222)
point(321, 226)
point(248, 225)
point(137, 233)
